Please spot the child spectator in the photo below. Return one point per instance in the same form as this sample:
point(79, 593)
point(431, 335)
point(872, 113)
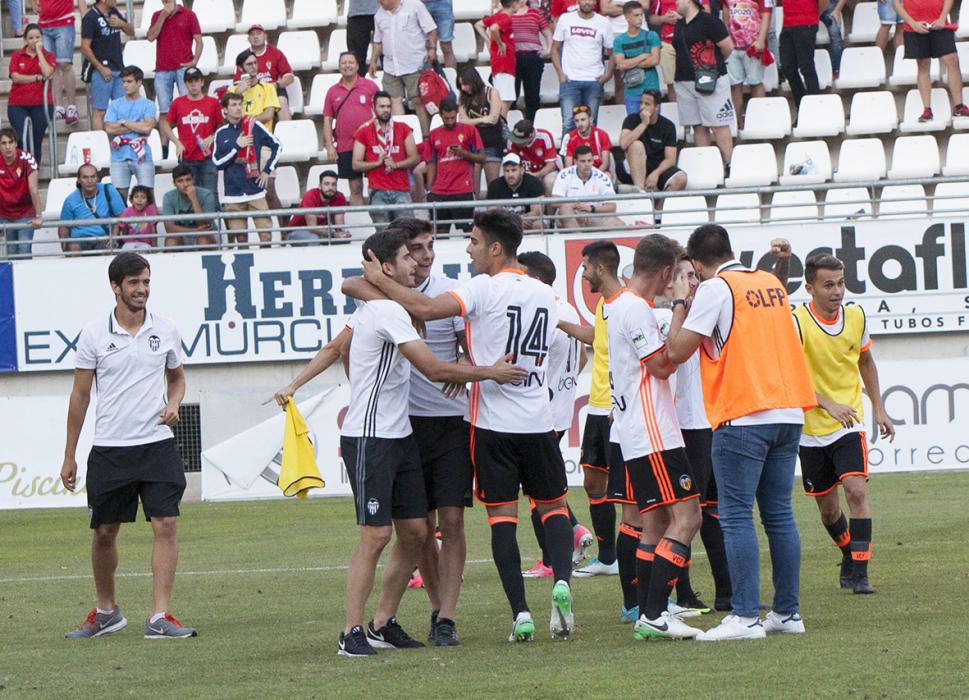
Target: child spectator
point(138, 235)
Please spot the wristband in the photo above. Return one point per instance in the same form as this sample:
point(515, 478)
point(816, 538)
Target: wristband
point(677, 302)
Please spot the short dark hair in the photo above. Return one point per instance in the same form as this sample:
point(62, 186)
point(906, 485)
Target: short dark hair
point(413, 227)
point(133, 71)
point(143, 189)
point(500, 225)
point(347, 53)
point(654, 252)
point(385, 244)
point(9, 132)
point(328, 173)
point(448, 104)
point(181, 170)
point(582, 150)
point(628, 7)
point(709, 244)
point(508, 3)
point(31, 27)
point(539, 265)
point(229, 97)
point(88, 165)
point(381, 93)
point(243, 56)
point(818, 261)
point(657, 97)
point(603, 252)
point(126, 265)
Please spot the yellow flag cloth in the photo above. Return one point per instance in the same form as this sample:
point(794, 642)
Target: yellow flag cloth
point(299, 472)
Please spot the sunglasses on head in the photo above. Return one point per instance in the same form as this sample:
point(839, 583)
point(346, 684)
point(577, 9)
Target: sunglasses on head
point(580, 109)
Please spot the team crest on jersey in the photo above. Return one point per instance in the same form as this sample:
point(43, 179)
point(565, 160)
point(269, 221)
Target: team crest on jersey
point(154, 342)
point(686, 483)
point(373, 505)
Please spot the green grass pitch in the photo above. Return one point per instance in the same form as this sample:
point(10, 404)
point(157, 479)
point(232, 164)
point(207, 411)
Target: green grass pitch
point(264, 583)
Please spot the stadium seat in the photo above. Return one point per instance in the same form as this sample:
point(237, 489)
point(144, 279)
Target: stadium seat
point(771, 78)
point(271, 14)
point(848, 203)
point(300, 140)
point(216, 16)
point(902, 201)
point(767, 118)
point(951, 198)
point(752, 165)
point(471, 9)
point(287, 186)
point(861, 160)
point(216, 85)
point(335, 45)
point(465, 44)
point(322, 82)
point(209, 60)
point(864, 23)
point(154, 142)
point(635, 210)
point(872, 113)
point(941, 112)
point(960, 123)
point(550, 118)
point(610, 120)
point(302, 49)
point(795, 204)
point(822, 38)
point(77, 141)
point(703, 166)
point(820, 115)
point(905, 70)
point(294, 93)
point(148, 8)
point(414, 123)
point(797, 154)
point(549, 89)
point(962, 51)
point(359, 223)
point(963, 31)
point(163, 185)
point(308, 14)
point(822, 65)
point(141, 53)
point(737, 209)
point(861, 67)
point(672, 112)
point(57, 190)
point(234, 45)
point(485, 73)
point(914, 156)
point(957, 156)
point(689, 210)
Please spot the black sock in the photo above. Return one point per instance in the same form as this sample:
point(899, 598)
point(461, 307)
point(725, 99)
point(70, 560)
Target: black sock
point(626, 545)
point(684, 589)
point(539, 533)
point(573, 521)
point(669, 561)
point(712, 537)
point(504, 550)
point(558, 542)
point(604, 526)
point(860, 545)
point(840, 534)
point(645, 555)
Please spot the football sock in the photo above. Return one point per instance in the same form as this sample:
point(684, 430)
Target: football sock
point(604, 525)
point(504, 550)
point(539, 533)
point(840, 534)
point(558, 542)
point(860, 545)
point(626, 545)
point(712, 537)
point(645, 555)
point(669, 561)
point(684, 589)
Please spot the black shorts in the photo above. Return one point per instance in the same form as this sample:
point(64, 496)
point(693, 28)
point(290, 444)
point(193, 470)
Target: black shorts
point(445, 215)
point(619, 488)
point(385, 477)
point(699, 446)
point(823, 468)
point(503, 461)
point(935, 44)
point(443, 443)
point(118, 476)
point(595, 443)
point(664, 177)
point(661, 479)
point(344, 166)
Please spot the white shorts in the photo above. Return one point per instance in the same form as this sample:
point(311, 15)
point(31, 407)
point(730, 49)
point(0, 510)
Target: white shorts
point(744, 69)
point(504, 83)
point(711, 110)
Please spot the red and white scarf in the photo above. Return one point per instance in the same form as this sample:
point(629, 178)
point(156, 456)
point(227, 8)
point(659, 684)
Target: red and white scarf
point(138, 145)
point(248, 155)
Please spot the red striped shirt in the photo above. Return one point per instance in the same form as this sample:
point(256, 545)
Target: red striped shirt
point(527, 28)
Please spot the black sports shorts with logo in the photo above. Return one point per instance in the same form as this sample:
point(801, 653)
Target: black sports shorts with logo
point(595, 443)
point(823, 468)
point(699, 446)
point(503, 461)
point(444, 444)
point(386, 478)
point(661, 479)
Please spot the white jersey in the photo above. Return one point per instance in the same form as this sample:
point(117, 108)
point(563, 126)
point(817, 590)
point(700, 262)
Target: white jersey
point(379, 373)
point(642, 405)
point(686, 382)
point(563, 368)
point(129, 374)
point(509, 313)
point(569, 184)
point(426, 397)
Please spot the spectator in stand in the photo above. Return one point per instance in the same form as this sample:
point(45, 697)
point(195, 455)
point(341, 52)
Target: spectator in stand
point(888, 18)
point(612, 10)
point(502, 47)
point(90, 200)
point(56, 19)
point(442, 12)
point(128, 122)
point(833, 20)
point(188, 199)
point(930, 33)
point(384, 149)
point(247, 154)
point(259, 98)
point(179, 37)
point(19, 195)
point(397, 26)
point(798, 40)
point(480, 106)
point(748, 22)
point(515, 183)
point(580, 40)
point(664, 14)
point(101, 30)
point(15, 10)
point(196, 116)
point(536, 148)
point(311, 228)
point(454, 168)
point(702, 44)
point(587, 134)
point(273, 68)
point(533, 40)
point(649, 141)
point(352, 98)
point(637, 55)
point(29, 68)
point(360, 30)
point(579, 181)
point(141, 235)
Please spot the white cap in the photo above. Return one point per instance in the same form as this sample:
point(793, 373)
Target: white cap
point(511, 158)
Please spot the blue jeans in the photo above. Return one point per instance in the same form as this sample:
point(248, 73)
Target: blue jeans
point(575, 93)
point(757, 461)
point(442, 11)
point(165, 81)
point(15, 8)
point(60, 42)
point(390, 197)
point(19, 239)
point(837, 45)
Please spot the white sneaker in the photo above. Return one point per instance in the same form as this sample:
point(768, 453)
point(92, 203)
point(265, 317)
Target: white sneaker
point(734, 627)
point(666, 626)
point(681, 612)
point(790, 624)
point(597, 568)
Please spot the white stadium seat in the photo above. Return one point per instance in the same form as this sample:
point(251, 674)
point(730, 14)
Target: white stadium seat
point(300, 140)
point(861, 160)
point(163, 185)
point(414, 123)
point(550, 118)
point(864, 23)
point(549, 89)
point(950, 199)
point(308, 14)
point(215, 16)
point(914, 156)
point(797, 154)
point(672, 112)
point(141, 53)
point(941, 112)
point(271, 14)
point(77, 141)
point(322, 82)
point(796, 204)
point(471, 9)
point(302, 49)
point(216, 85)
point(287, 186)
point(335, 45)
point(294, 93)
point(154, 142)
point(635, 210)
point(234, 45)
point(962, 51)
point(957, 156)
point(822, 64)
point(872, 113)
point(767, 118)
point(703, 167)
point(57, 191)
point(148, 8)
point(209, 60)
point(610, 120)
point(905, 70)
point(963, 31)
point(737, 209)
point(848, 203)
point(752, 165)
point(465, 44)
point(820, 115)
point(902, 201)
point(689, 210)
point(861, 67)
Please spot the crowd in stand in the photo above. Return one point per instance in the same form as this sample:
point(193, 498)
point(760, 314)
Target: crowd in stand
point(706, 55)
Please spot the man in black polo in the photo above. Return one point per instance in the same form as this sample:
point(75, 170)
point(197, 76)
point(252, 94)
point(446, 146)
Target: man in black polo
point(515, 183)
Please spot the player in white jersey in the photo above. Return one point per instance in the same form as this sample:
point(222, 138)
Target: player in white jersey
point(656, 464)
point(512, 442)
point(379, 452)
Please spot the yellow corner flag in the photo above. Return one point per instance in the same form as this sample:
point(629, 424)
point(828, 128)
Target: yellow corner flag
point(299, 472)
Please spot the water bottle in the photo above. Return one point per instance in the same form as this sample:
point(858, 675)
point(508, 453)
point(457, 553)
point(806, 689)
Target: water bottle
point(75, 156)
point(201, 145)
